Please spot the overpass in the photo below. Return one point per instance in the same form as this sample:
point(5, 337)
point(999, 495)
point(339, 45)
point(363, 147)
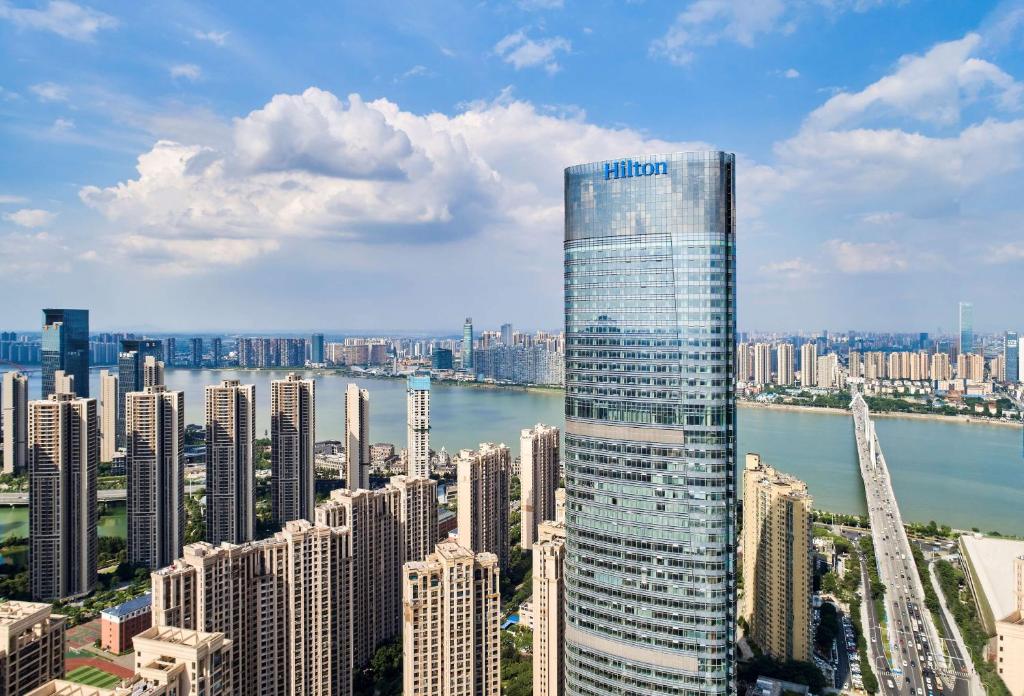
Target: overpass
point(103, 496)
point(912, 660)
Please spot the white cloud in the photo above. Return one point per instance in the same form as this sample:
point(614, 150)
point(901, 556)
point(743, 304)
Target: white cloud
point(520, 51)
point(789, 268)
point(214, 37)
point(867, 257)
point(414, 71)
point(61, 17)
point(313, 167)
point(62, 125)
point(190, 71)
point(791, 74)
point(30, 217)
point(541, 4)
point(885, 217)
point(931, 88)
point(50, 92)
point(6, 199)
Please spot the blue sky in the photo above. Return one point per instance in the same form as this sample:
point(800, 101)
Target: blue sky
point(244, 166)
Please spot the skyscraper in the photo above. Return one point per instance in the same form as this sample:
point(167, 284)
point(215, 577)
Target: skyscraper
point(216, 352)
point(170, 351)
point(155, 459)
point(230, 474)
point(451, 639)
point(108, 415)
point(63, 383)
point(808, 365)
point(762, 363)
point(483, 503)
point(197, 352)
point(539, 477)
point(467, 344)
point(63, 460)
point(965, 326)
point(417, 515)
point(777, 561)
point(292, 434)
point(1011, 356)
point(14, 402)
point(784, 357)
point(506, 334)
point(65, 346)
point(549, 609)
point(131, 373)
point(417, 403)
point(357, 437)
point(316, 349)
point(670, 221)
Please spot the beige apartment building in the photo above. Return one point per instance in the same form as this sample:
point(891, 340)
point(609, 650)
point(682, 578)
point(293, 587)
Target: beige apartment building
point(183, 662)
point(32, 646)
point(357, 438)
point(230, 472)
point(777, 558)
point(827, 371)
point(548, 614)
point(155, 458)
point(970, 366)
point(762, 363)
point(284, 603)
point(14, 402)
point(108, 415)
point(152, 372)
point(417, 515)
point(63, 383)
point(538, 477)
point(808, 365)
point(856, 367)
point(1009, 653)
point(417, 405)
point(63, 441)
point(292, 434)
point(784, 358)
point(940, 367)
point(451, 637)
point(483, 505)
point(744, 362)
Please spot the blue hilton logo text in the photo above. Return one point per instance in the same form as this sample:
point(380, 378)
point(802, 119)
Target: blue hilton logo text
point(629, 168)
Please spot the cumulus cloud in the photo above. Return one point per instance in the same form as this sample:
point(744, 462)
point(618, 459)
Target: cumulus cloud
point(789, 268)
point(791, 74)
point(7, 199)
point(312, 166)
point(215, 37)
point(189, 71)
point(866, 257)
point(521, 51)
point(61, 17)
point(30, 217)
point(50, 92)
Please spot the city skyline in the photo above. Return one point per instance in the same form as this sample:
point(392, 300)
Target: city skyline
point(873, 168)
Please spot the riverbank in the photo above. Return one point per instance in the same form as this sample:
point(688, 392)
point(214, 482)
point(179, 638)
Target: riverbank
point(937, 417)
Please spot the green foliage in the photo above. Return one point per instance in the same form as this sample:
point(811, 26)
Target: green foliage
point(515, 489)
point(931, 600)
point(15, 586)
point(931, 530)
point(791, 670)
point(195, 524)
point(829, 628)
point(384, 676)
point(517, 579)
point(516, 669)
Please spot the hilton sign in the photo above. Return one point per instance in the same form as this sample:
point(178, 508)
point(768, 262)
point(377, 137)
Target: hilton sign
point(629, 168)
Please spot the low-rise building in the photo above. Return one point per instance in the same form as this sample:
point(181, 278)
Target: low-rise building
point(119, 624)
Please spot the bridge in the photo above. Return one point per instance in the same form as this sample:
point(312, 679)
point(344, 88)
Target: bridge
point(908, 656)
point(103, 496)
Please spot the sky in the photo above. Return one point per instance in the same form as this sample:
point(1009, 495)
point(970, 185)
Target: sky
point(238, 166)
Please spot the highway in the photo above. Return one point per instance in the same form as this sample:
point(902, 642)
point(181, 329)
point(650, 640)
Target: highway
point(909, 656)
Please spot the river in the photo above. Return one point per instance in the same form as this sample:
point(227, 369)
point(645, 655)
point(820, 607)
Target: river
point(961, 474)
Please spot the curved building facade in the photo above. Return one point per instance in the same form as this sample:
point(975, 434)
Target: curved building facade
point(650, 312)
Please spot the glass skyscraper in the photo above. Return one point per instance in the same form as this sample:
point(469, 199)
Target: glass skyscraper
point(965, 322)
point(65, 347)
point(130, 363)
point(650, 317)
point(1011, 356)
point(467, 344)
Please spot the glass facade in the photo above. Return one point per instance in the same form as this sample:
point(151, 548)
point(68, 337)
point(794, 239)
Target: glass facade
point(467, 344)
point(650, 425)
point(1011, 356)
point(65, 346)
point(965, 320)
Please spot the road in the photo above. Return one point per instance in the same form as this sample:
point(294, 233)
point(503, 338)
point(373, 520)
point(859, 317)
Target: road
point(909, 660)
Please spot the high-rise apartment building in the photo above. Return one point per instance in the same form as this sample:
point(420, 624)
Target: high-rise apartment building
point(506, 334)
point(540, 462)
point(284, 603)
point(183, 662)
point(155, 459)
point(316, 349)
point(417, 515)
point(63, 383)
point(216, 352)
point(826, 373)
point(467, 344)
point(940, 367)
point(357, 437)
point(744, 362)
point(855, 364)
point(965, 326)
point(784, 358)
point(1011, 356)
point(14, 402)
point(152, 372)
point(777, 561)
point(970, 367)
point(108, 415)
point(132, 375)
point(762, 363)
point(451, 638)
point(808, 365)
point(32, 646)
point(63, 445)
point(65, 346)
point(670, 220)
point(417, 402)
point(483, 478)
point(230, 472)
point(549, 609)
point(170, 356)
point(292, 434)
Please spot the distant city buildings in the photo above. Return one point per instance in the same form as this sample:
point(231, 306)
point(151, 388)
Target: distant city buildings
point(271, 352)
point(520, 364)
point(808, 365)
point(451, 638)
point(442, 359)
point(1011, 356)
point(777, 561)
point(418, 425)
point(14, 405)
point(132, 375)
point(63, 444)
point(539, 448)
point(292, 434)
point(32, 646)
point(65, 346)
point(230, 472)
point(357, 437)
point(483, 503)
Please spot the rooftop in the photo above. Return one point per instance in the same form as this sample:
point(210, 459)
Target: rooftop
point(991, 563)
point(13, 611)
point(129, 607)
